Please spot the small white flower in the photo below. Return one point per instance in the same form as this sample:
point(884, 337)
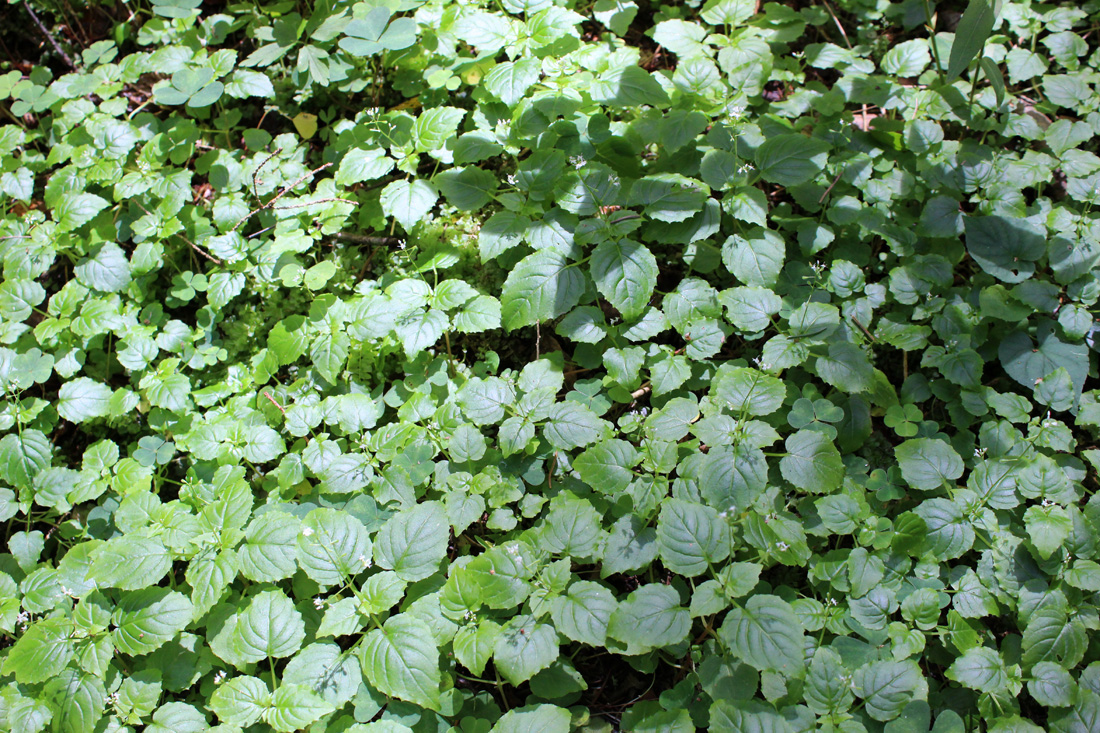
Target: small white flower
point(511, 180)
point(577, 161)
point(1047, 502)
point(979, 452)
point(307, 532)
point(219, 677)
point(68, 592)
point(782, 546)
point(112, 699)
point(318, 603)
point(364, 561)
point(746, 167)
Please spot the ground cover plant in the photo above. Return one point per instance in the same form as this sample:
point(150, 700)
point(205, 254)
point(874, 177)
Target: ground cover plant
point(549, 365)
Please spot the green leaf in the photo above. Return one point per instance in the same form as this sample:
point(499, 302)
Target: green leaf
point(333, 546)
point(474, 643)
point(887, 687)
point(83, 399)
point(1083, 716)
point(607, 466)
point(401, 659)
point(628, 86)
point(77, 209)
point(479, 315)
point(294, 707)
point(583, 612)
point(755, 257)
point(996, 78)
point(731, 479)
point(409, 202)
point(1028, 361)
point(434, 126)
point(420, 329)
point(669, 198)
point(749, 391)
point(467, 188)
point(270, 549)
point(617, 15)
point(534, 719)
point(791, 159)
point(501, 232)
point(1006, 248)
point(981, 669)
point(826, 688)
point(523, 648)
point(949, 534)
point(485, 400)
point(329, 353)
point(728, 12)
point(543, 285)
point(812, 462)
point(131, 562)
point(734, 716)
point(750, 308)
point(148, 618)
point(23, 456)
point(846, 367)
point(269, 627)
point(18, 297)
point(970, 36)
point(572, 425)
point(105, 268)
point(651, 617)
point(907, 59)
point(41, 652)
point(625, 272)
point(928, 464)
point(363, 165)
point(240, 701)
point(76, 701)
point(1050, 636)
point(572, 527)
point(413, 542)
point(766, 633)
point(691, 537)
point(1048, 527)
point(326, 670)
point(510, 81)
point(631, 546)
point(1052, 686)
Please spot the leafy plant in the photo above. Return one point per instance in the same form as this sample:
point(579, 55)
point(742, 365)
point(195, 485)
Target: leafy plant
point(543, 365)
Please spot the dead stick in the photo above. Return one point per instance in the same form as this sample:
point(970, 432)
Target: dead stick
point(256, 173)
point(367, 239)
point(314, 203)
point(863, 328)
point(278, 196)
point(194, 246)
point(49, 36)
point(830, 188)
